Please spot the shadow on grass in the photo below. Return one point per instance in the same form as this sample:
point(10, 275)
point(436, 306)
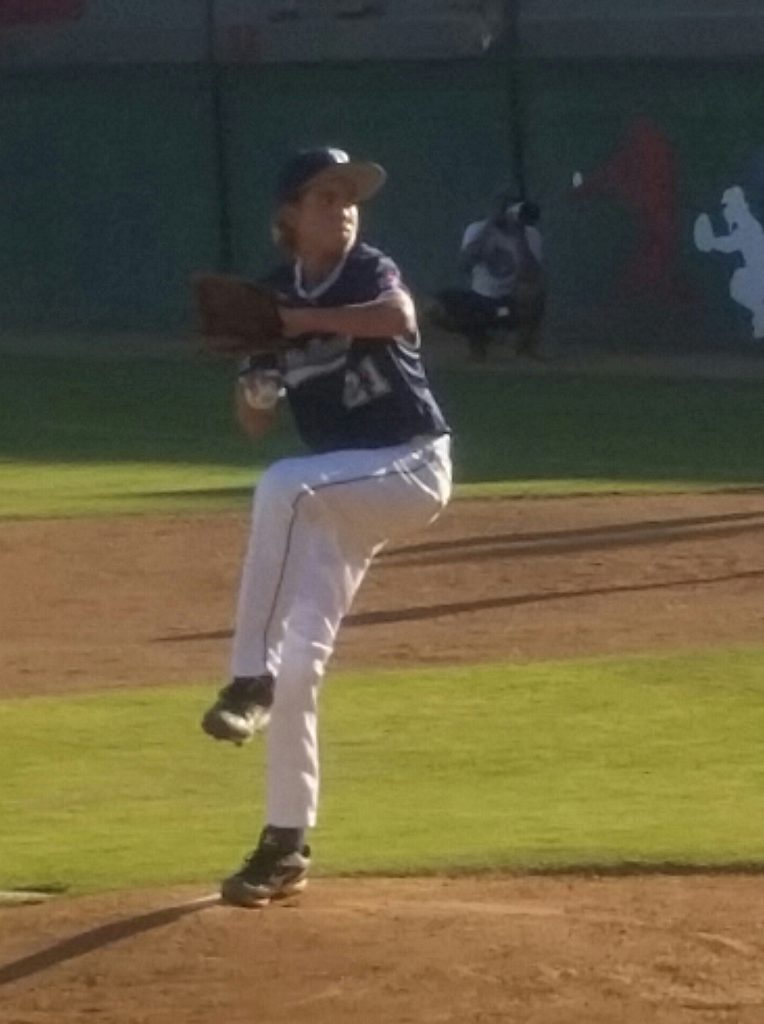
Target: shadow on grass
point(507, 427)
point(96, 938)
point(579, 869)
point(202, 493)
point(636, 869)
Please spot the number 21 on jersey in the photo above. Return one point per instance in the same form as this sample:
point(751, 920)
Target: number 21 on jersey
point(363, 384)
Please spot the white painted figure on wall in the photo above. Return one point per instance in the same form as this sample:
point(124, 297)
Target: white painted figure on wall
point(746, 238)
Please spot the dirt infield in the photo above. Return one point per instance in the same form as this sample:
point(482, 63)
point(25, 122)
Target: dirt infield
point(139, 601)
point(463, 951)
point(145, 601)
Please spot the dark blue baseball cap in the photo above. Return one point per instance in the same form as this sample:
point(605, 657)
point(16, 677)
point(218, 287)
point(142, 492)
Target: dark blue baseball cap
point(311, 165)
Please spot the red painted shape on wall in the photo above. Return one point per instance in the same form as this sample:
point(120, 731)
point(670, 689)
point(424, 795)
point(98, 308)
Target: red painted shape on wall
point(39, 12)
point(643, 174)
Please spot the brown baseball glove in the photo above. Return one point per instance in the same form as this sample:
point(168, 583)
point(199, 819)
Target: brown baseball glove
point(237, 317)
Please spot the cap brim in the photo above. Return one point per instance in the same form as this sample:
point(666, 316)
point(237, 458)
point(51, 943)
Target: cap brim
point(365, 177)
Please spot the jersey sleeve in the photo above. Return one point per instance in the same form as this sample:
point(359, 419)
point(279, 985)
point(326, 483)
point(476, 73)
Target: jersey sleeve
point(371, 277)
point(387, 277)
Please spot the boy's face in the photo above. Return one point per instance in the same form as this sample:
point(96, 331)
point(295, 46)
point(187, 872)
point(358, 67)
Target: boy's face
point(325, 218)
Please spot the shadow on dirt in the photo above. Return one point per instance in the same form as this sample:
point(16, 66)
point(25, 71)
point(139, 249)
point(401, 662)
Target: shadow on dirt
point(434, 611)
point(497, 547)
point(649, 528)
point(96, 938)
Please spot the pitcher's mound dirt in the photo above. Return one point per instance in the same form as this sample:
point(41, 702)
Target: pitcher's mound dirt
point(462, 951)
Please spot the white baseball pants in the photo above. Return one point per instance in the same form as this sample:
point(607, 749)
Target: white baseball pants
point(317, 523)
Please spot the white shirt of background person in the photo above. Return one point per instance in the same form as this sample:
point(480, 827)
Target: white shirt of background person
point(495, 272)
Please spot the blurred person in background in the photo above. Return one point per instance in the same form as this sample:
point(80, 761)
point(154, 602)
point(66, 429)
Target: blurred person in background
point(502, 255)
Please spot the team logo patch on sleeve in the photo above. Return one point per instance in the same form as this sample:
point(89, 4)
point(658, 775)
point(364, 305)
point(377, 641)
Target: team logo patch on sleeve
point(388, 279)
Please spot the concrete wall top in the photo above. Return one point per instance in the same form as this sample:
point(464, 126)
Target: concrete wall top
point(707, 29)
point(39, 33)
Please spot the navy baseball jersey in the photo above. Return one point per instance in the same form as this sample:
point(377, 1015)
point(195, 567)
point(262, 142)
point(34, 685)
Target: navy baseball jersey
point(348, 392)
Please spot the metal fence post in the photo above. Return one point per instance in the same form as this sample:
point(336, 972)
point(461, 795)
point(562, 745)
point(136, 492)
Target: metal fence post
point(222, 168)
point(516, 108)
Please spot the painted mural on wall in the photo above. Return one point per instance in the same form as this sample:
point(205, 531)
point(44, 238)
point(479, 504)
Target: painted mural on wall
point(742, 236)
point(642, 176)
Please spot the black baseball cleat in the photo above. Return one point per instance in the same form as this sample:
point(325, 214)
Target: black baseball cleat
point(271, 872)
point(241, 710)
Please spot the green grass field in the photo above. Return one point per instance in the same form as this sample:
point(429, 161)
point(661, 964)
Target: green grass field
point(606, 762)
point(87, 436)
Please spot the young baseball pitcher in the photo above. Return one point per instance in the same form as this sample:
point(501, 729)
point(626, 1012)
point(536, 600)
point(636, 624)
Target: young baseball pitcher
point(349, 367)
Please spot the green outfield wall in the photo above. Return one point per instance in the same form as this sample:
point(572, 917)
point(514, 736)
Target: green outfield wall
point(107, 186)
point(108, 178)
point(110, 197)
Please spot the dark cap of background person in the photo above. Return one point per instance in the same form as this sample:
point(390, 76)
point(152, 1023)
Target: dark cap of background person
point(311, 166)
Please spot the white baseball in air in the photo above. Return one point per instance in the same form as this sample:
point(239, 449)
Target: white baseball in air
point(578, 179)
